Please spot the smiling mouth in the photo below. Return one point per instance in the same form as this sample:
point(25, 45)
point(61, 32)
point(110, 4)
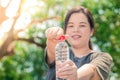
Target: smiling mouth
point(76, 36)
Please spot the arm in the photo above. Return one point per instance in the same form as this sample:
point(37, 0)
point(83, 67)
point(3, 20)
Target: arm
point(87, 72)
point(50, 51)
point(97, 69)
point(52, 35)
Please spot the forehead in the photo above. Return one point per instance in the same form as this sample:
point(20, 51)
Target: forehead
point(78, 17)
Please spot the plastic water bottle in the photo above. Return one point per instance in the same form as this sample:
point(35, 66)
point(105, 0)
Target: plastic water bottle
point(61, 52)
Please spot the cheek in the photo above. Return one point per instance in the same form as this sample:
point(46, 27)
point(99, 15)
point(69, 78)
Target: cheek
point(67, 32)
point(86, 32)
point(86, 35)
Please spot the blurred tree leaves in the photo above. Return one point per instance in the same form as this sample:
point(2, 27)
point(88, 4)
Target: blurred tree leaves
point(26, 64)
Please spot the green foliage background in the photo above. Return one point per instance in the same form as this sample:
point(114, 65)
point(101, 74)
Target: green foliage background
point(28, 61)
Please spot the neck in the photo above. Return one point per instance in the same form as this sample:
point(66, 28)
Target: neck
point(80, 52)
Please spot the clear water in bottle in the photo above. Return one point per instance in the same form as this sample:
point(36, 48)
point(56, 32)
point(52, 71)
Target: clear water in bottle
point(61, 52)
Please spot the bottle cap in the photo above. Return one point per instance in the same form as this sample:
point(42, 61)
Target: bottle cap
point(62, 38)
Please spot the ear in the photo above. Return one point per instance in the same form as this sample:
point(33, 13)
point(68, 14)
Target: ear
point(92, 31)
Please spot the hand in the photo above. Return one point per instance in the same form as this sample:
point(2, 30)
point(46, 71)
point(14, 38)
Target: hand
point(67, 70)
point(54, 33)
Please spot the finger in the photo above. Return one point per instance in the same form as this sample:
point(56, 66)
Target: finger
point(50, 33)
point(67, 65)
point(66, 74)
point(54, 30)
point(58, 65)
point(67, 69)
point(59, 33)
point(58, 62)
point(67, 36)
point(69, 62)
point(62, 77)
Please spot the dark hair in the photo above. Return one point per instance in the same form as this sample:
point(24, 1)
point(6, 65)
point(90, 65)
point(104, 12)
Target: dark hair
point(84, 11)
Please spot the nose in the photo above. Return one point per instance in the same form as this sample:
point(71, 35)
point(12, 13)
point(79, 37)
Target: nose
point(76, 29)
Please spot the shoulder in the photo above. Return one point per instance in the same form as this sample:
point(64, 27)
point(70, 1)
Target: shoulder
point(101, 58)
point(101, 55)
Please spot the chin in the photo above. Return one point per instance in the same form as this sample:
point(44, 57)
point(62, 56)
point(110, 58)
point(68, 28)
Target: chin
point(75, 45)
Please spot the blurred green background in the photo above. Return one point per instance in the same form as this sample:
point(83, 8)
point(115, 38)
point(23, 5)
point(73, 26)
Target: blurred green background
point(22, 37)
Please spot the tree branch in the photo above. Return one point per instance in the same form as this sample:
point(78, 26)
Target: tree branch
point(34, 21)
point(5, 48)
point(31, 41)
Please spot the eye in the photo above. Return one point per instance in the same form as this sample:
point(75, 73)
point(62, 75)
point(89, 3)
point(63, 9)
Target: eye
point(82, 25)
point(70, 26)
